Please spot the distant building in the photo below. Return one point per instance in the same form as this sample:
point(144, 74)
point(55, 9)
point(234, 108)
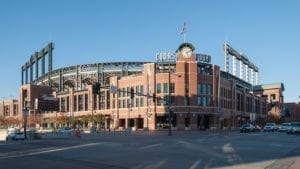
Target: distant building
point(183, 87)
point(9, 113)
point(292, 111)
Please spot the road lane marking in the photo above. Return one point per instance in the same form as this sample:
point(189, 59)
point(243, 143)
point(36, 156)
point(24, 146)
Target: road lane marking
point(156, 165)
point(47, 150)
point(150, 146)
point(195, 165)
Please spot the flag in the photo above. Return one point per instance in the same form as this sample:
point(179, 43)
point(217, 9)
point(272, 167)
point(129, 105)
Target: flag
point(183, 28)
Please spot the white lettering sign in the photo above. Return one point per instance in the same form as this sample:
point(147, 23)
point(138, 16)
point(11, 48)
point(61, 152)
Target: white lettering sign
point(203, 58)
point(160, 57)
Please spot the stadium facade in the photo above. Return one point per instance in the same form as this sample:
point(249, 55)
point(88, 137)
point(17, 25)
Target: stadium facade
point(181, 90)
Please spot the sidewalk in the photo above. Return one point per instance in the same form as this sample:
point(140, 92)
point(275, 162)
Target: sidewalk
point(296, 164)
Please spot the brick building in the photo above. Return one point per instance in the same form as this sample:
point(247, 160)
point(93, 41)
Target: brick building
point(274, 96)
point(184, 87)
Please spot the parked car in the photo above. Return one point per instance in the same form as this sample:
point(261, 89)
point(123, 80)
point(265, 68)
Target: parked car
point(65, 130)
point(11, 132)
point(19, 136)
point(270, 127)
point(15, 134)
point(284, 127)
point(247, 128)
point(294, 128)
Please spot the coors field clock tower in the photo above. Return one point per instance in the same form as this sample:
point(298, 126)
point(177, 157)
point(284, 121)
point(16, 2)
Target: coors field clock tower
point(185, 52)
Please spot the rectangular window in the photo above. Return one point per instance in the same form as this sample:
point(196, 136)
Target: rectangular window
point(172, 88)
point(158, 88)
point(141, 102)
point(199, 101)
point(137, 103)
point(238, 102)
point(121, 104)
point(62, 104)
point(80, 100)
point(137, 89)
point(128, 89)
point(272, 97)
point(203, 89)
point(121, 92)
point(204, 103)
point(86, 102)
point(107, 100)
point(141, 89)
point(113, 103)
point(208, 101)
point(124, 103)
point(208, 89)
point(15, 110)
point(75, 103)
point(68, 103)
point(102, 100)
point(166, 88)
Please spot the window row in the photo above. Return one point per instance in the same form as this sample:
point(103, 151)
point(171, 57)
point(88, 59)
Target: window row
point(204, 89)
point(227, 93)
point(226, 104)
point(204, 101)
point(165, 88)
point(126, 103)
point(125, 92)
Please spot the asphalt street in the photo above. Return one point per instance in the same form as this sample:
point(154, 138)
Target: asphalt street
point(190, 150)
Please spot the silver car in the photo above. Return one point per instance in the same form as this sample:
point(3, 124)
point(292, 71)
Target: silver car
point(294, 128)
point(270, 127)
point(65, 130)
point(284, 127)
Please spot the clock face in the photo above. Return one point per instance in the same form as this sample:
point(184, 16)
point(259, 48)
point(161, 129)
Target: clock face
point(186, 52)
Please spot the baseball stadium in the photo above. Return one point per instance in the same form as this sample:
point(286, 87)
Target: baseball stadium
point(180, 90)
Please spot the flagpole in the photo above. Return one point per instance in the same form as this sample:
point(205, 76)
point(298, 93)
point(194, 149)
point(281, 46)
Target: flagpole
point(183, 30)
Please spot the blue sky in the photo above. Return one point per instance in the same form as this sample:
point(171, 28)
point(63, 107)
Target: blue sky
point(93, 31)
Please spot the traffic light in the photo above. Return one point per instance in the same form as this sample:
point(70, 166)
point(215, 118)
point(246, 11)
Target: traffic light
point(154, 97)
point(96, 88)
point(131, 93)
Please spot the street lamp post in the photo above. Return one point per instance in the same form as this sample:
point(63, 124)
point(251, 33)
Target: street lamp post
point(25, 115)
point(169, 101)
